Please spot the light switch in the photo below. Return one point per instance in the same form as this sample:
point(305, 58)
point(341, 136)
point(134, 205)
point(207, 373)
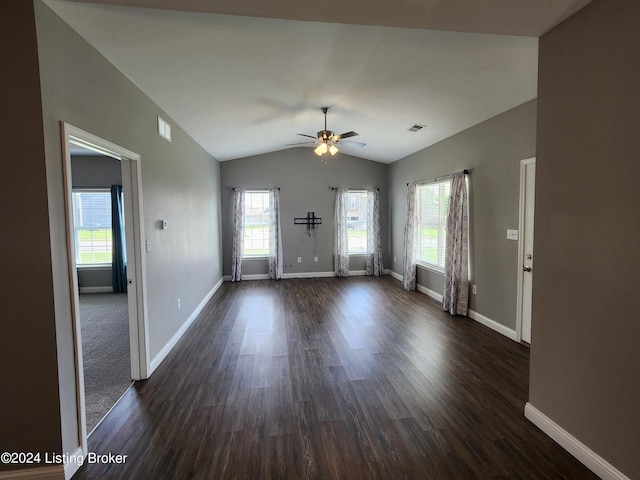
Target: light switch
point(512, 234)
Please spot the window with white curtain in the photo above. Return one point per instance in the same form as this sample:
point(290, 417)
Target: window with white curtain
point(432, 202)
point(256, 223)
point(357, 222)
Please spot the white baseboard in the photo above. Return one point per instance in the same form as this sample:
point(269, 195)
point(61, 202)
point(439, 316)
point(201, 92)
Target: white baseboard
point(96, 289)
point(308, 275)
point(571, 444)
point(429, 293)
point(265, 276)
point(255, 276)
point(157, 360)
point(54, 472)
point(492, 324)
point(395, 275)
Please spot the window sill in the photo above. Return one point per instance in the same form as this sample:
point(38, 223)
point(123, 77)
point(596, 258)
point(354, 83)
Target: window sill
point(431, 268)
point(97, 266)
point(257, 257)
point(357, 254)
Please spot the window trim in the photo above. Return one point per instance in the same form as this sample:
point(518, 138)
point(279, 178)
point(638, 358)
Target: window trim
point(357, 192)
point(421, 261)
point(258, 256)
point(428, 266)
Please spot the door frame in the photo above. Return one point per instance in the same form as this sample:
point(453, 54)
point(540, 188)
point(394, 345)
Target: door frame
point(521, 227)
point(136, 261)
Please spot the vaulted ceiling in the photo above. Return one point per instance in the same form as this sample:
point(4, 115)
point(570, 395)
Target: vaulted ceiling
point(245, 79)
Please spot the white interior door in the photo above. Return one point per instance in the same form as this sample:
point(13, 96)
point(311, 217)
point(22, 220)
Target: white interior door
point(528, 184)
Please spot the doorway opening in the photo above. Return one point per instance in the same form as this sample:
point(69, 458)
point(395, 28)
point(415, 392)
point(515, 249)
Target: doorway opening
point(100, 252)
point(91, 248)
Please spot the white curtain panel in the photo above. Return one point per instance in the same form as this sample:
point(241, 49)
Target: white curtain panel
point(237, 251)
point(410, 239)
point(340, 240)
point(275, 236)
point(456, 265)
point(374, 244)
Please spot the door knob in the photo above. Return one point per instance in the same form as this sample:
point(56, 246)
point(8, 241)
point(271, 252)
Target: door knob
point(526, 269)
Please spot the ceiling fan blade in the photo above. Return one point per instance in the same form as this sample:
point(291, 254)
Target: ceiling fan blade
point(301, 143)
point(344, 135)
point(355, 144)
point(310, 136)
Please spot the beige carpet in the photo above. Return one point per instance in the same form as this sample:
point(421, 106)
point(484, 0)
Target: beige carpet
point(104, 322)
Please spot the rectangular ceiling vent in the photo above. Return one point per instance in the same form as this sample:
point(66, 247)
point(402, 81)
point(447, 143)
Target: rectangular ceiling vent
point(416, 128)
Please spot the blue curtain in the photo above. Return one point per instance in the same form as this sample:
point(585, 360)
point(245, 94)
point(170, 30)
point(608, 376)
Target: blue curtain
point(119, 262)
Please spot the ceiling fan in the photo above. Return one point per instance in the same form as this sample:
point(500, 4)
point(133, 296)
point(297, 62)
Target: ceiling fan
point(327, 140)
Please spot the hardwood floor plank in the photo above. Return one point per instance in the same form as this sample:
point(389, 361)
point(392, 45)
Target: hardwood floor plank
point(350, 378)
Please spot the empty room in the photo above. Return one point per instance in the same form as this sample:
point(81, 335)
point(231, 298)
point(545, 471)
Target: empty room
point(340, 241)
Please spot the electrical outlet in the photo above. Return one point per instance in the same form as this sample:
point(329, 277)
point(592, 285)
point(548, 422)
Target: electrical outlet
point(474, 289)
point(148, 245)
point(394, 259)
point(315, 259)
point(179, 304)
point(299, 259)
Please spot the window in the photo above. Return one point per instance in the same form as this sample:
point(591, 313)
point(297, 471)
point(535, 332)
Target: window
point(357, 222)
point(92, 227)
point(433, 205)
point(256, 223)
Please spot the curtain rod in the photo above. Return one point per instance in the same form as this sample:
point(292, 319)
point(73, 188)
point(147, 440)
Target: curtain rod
point(465, 171)
point(237, 188)
point(335, 188)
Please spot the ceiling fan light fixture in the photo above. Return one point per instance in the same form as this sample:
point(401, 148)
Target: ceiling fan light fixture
point(326, 140)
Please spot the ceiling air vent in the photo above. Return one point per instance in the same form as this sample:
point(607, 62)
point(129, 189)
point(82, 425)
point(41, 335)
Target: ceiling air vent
point(416, 128)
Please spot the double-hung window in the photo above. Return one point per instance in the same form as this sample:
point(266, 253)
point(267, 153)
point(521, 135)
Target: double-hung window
point(357, 222)
point(432, 202)
point(256, 223)
point(92, 227)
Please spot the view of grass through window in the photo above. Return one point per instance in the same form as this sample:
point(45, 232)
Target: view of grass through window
point(92, 226)
point(357, 222)
point(256, 223)
point(433, 205)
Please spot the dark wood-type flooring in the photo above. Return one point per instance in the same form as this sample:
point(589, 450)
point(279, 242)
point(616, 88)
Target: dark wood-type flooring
point(350, 378)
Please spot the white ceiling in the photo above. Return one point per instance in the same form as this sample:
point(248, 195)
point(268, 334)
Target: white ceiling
point(244, 85)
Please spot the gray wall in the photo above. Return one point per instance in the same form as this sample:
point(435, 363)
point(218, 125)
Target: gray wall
point(29, 405)
point(95, 171)
point(180, 183)
point(304, 183)
point(491, 151)
point(585, 359)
